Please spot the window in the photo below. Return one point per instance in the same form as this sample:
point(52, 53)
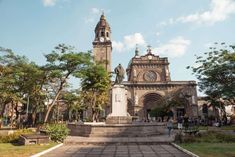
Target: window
point(102, 34)
point(107, 34)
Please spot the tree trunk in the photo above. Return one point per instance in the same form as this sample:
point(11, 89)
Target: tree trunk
point(93, 115)
point(5, 102)
point(3, 109)
point(93, 108)
point(51, 106)
point(56, 97)
point(12, 113)
point(33, 118)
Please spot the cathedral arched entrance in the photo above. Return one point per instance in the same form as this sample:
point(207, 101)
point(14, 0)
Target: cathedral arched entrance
point(150, 101)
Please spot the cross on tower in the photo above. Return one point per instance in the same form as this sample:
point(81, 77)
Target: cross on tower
point(149, 49)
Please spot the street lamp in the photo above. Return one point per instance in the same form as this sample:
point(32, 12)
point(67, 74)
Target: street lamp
point(27, 105)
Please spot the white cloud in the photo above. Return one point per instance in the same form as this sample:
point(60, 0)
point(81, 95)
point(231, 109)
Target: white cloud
point(95, 11)
point(49, 3)
point(219, 11)
point(129, 42)
point(93, 14)
point(89, 20)
point(158, 33)
point(118, 46)
point(174, 48)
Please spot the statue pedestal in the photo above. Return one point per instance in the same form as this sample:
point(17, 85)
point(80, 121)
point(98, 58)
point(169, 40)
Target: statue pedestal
point(119, 113)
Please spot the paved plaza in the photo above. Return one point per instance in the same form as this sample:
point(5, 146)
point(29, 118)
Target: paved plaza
point(117, 150)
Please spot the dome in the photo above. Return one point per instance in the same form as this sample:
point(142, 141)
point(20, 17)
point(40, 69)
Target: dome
point(102, 23)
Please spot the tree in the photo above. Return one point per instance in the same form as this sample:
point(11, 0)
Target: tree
point(19, 78)
point(216, 74)
point(63, 62)
point(160, 111)
point(75, 105)
point(95, 83)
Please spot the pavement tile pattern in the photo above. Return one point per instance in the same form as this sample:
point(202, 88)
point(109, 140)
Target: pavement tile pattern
point(117, 150)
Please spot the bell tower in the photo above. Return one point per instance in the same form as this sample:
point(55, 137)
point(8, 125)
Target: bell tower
point(102, 45)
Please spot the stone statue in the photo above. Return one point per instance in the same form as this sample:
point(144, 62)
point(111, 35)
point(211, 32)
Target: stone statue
point(119, 71)
point(136, 99)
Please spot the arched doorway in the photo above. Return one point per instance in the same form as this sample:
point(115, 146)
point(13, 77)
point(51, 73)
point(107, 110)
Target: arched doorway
point(150, 101)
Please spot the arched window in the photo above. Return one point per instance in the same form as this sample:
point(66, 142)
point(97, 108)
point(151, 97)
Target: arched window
point(102, 34)
point(107, 34)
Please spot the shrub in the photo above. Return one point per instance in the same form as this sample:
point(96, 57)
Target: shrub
point(209, 137)
point(57, 132)
point(13, 138)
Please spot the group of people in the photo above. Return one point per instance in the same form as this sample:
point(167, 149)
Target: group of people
point(182, 122)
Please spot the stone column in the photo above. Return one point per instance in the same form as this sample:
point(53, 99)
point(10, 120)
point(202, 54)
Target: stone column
point(119, 113)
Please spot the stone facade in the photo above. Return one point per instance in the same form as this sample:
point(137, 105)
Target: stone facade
point(148, 79)
point(102, 45)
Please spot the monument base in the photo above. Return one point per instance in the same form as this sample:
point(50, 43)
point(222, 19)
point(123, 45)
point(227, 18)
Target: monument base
point(119, 120)
point(116, 130)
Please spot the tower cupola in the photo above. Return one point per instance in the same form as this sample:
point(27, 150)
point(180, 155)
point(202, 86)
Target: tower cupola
point(102, 30)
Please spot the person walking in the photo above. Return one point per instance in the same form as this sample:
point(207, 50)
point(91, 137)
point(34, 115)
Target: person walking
point(169, 126)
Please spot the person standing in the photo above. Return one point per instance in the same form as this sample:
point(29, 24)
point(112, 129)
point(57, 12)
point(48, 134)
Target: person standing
point(180, 122)
point(169, 126)
point(0, 122)
point(186, 122)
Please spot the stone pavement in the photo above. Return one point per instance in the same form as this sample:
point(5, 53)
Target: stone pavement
point(155, 146)
point(116, 150)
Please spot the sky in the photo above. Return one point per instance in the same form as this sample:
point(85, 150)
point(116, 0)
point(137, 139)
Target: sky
point(177, 29)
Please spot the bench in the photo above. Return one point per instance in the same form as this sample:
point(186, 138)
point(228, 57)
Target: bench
point(33, 139)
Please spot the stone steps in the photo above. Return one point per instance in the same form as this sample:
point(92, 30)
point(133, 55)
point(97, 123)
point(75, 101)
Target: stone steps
point(116, 130)
point(78, 140)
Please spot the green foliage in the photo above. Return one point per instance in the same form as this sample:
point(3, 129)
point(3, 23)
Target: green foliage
point(75, 105)
point(62, 63)
point(95, 78)
point(18, 78)
point(13, 138)
point(216, 74)
point(57, 132)
point(22, 80)
point(95, 82)
point(159, 112)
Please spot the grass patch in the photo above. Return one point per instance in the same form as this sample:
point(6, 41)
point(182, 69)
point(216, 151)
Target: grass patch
point(10, 150)
point(13, 138)
point(211, 149)
point(203, 128)
point(229, 127)
point(206, 137)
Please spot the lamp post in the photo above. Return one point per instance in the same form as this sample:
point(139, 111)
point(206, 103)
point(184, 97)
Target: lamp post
point(27, 108)
point(27, 105)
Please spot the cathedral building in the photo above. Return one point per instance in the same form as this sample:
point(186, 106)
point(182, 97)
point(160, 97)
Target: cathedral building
point(148, 78)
